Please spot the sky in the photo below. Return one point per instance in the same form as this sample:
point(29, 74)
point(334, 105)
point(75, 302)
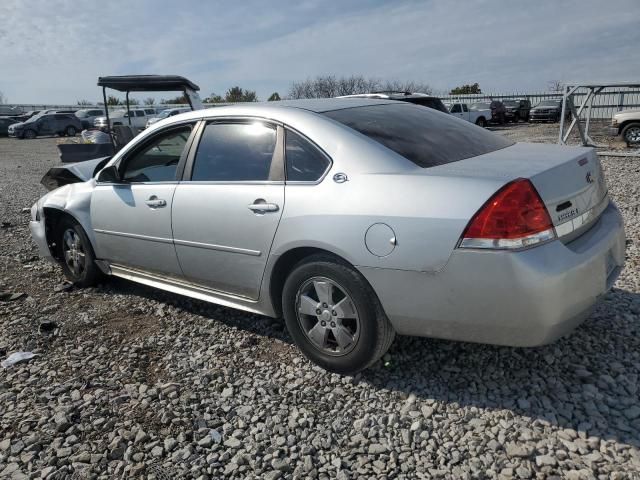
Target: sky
point(52, 51)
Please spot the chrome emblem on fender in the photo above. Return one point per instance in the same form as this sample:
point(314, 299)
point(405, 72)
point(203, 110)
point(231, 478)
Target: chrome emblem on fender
point(589, 177)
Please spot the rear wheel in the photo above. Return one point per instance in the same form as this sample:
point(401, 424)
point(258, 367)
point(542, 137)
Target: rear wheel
point(481, 122)
point(631, 134)
point(30, 134)
point(334, 316)
point(71, 131)
point(516, 118)
point(77, 257)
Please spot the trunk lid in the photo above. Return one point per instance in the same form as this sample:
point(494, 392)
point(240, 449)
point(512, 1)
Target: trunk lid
point(569, 179)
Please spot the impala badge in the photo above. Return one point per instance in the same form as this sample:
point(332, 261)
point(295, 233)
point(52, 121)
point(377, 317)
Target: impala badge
point(589, 177)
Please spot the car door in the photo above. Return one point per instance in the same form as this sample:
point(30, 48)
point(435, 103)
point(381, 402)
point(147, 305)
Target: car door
point(45, 125)
point(132, 218)
point(226, 211)
point(456, 110)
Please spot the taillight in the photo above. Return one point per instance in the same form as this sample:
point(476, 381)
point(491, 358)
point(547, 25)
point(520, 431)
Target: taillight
point(514, 217)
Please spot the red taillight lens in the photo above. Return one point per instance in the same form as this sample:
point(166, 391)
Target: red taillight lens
point(514, 217)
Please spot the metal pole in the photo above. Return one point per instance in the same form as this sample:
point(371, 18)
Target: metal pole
point(128, 111)
point(562, 114)
point(106, 111)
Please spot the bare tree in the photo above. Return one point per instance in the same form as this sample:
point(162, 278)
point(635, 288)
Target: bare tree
point(555, 86)
point(149, 101)
point(84, 103)
point(3, 99)
point(324, 86)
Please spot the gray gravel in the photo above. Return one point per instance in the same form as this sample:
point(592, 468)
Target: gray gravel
point(132, 382)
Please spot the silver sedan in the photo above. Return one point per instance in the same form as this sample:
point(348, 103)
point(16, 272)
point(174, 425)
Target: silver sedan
point(354, 219)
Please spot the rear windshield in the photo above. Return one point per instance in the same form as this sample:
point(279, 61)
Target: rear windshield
point(426, 137)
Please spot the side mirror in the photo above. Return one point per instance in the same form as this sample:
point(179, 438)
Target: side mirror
point(109, 175)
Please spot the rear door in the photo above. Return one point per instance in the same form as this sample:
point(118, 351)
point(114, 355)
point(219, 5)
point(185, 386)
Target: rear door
point(226, 211)
point(132, 219)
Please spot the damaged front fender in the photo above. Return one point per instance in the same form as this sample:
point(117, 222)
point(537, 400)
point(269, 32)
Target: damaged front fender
point(63, 175)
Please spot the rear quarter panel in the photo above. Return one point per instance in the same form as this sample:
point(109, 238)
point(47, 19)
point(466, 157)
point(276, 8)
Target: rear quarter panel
point(427, 213)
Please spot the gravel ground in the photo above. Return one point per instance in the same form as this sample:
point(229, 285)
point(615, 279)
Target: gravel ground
point(133, 382)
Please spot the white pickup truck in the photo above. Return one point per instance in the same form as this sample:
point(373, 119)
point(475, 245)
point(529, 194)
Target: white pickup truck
point(139, 117)
point(462, 110)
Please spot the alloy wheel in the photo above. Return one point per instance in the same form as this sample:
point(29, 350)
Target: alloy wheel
point(73, 250)
point(632, 135)
point(328, 316)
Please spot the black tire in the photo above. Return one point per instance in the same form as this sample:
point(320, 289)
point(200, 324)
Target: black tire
point(516, 118)
point(29, 134)
point(631, 133)
point(372, 336)
point(71, 131)
point(481, 122)
point(88, 274)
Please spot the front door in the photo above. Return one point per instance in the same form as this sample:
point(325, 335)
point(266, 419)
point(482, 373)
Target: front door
point(226, 213)
point(132, 219)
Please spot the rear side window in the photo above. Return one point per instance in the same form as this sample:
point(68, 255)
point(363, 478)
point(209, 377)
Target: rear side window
point(234, 152)
point(305, 163)
point(421, 135)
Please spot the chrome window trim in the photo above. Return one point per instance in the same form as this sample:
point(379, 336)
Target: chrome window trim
point(235, 182)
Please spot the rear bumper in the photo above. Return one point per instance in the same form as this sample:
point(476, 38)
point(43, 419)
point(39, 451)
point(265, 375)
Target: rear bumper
point(524, 298)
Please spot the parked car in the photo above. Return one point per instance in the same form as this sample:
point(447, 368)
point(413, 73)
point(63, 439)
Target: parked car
point(415, 98)
point(547, 111)
point(139, 117)
point(47, 124)
point(23, 117)
point(5, 122)
point(517, 110)
point(478, 116)
point(169, 112)
point(88, 115)
point(626, 124)
point(498, 111)
point(398, 219)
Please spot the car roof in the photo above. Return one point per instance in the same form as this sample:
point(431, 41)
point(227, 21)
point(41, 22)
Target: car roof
point(321, 105)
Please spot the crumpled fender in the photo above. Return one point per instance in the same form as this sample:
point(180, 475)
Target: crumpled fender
point(75, 200)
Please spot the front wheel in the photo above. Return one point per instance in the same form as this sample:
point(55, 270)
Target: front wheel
point(334, 316)
point(71, 131)
point(77, 257)
point(29, 134)
point(631, 134)
point(481, 122)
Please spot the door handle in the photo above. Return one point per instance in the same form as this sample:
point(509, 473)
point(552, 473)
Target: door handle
point(155, 202)
point(260, 206)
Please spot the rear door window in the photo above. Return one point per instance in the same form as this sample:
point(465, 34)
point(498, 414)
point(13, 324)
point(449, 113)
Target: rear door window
point(235, 152)
point(425, 137)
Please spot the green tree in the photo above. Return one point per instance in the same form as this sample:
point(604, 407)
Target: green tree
point(275, 96)
point(214, 98)
point(237, 94)
point(181, 100)
point(134, 101)
point(113, 100)
point(149, 101)
point(466, 89)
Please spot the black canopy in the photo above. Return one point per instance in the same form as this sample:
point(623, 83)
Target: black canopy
point(147, 83)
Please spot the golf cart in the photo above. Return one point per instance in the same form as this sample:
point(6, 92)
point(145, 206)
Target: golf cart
point(120, 135)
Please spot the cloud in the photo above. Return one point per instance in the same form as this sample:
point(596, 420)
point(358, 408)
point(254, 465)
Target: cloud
point(53, 51)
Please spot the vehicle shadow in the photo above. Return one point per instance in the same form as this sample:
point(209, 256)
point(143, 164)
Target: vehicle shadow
point(583, 381)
